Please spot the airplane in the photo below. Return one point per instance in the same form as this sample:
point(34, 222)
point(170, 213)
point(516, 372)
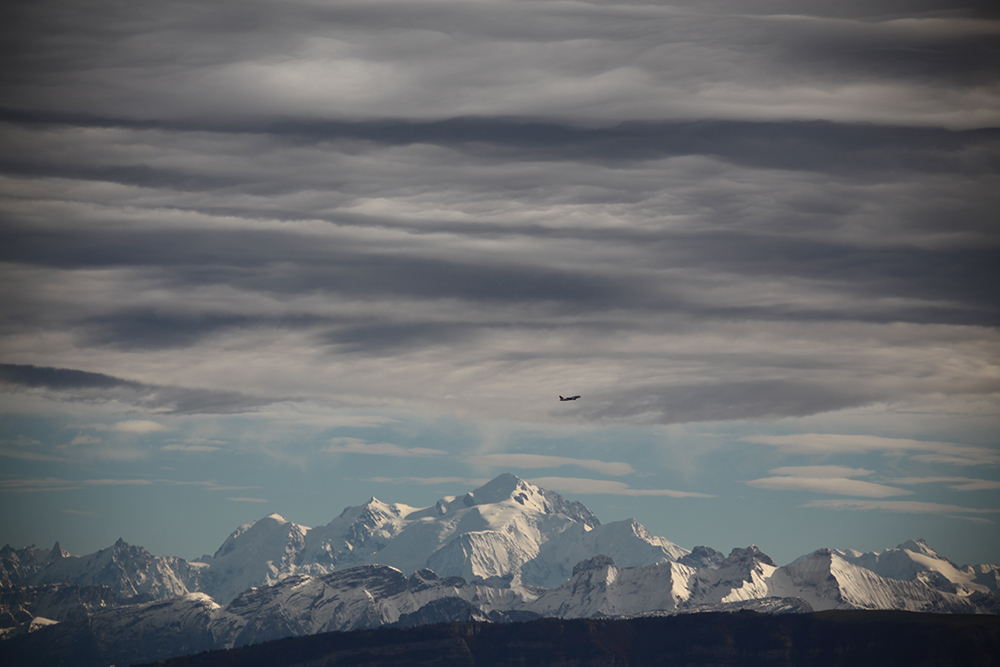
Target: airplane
point(568, 398)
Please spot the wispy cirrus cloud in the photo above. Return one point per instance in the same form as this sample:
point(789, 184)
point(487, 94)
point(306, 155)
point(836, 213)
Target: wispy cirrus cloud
point(178, 447)
point(833, 479)
point(31, 455)
point(928, 451)
point(248, 500)
point(430, 481)
point(139, 426)
point(37, 484)
point(841, 486)
point(821, 471)
point(359, 446)
point(903, 506)
point(953, 483)
point(609, 487)
point(519, 460)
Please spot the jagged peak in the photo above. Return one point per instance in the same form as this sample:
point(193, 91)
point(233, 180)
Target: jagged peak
point(56, 553)
point(598, 562)
point(741, 554)
point(703, 557)
point(919, 546)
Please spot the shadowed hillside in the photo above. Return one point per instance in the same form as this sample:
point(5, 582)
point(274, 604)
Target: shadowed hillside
point(745, 639)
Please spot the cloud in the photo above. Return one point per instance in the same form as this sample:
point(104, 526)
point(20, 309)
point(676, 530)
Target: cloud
point(821, 471)
point(837, 485)
point(139, 426)
point(903, 506)
point(430, 481)
point(248, 500)
point(189, 448)
point(720, 401)
point(80, 512)
point(32, 485)
point(826, 444)
point(954, 483)
point(596, 486)
point(85, 386)
point(118, 482)
point(29, 455)
point(357, 446)
point(517, 460)
point(588, 61)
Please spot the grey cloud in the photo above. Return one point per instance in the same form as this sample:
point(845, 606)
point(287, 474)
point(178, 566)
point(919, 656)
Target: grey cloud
point(489, 192)
point(955, 285)
point(841, 148)
point(76, 385)
point(60, 378)
point(387, 338)
point(727, 400)
point(151, 329)
point(425, 58)
point(246, 258)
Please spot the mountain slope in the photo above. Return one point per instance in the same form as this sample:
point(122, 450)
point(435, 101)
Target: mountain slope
point(505, 528)
point(129, 571)
point(827, 581)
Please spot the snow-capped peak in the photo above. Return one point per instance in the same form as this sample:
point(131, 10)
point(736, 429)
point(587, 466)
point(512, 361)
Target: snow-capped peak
point(507, 488)
point(919, 547)
point(501, 488)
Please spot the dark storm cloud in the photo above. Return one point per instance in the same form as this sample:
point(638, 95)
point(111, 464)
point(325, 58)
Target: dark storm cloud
point(76, 385)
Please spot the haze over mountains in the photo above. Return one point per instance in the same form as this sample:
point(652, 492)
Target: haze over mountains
point(506, 551)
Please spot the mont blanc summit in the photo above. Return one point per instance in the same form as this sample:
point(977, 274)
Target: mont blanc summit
point(506, 527)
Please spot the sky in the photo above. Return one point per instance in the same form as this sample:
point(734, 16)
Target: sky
point(264, 256)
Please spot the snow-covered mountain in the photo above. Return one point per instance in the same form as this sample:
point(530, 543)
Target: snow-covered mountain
point(915, 560)
point(505, 528)
point(507, 550)
point(371, 596)
point(129, 571)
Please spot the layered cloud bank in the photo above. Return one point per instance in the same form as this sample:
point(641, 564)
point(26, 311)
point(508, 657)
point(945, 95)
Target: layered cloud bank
point(388, 235)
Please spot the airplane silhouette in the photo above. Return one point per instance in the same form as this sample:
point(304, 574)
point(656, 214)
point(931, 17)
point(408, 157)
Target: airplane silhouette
point(568, 398)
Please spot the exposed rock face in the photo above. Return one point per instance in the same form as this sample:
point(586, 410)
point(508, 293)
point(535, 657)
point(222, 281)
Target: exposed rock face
point(703, 558)
point(56, 602)
point(127, 573)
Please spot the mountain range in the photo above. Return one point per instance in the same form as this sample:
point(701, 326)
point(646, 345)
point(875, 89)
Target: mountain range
point(506, 551)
